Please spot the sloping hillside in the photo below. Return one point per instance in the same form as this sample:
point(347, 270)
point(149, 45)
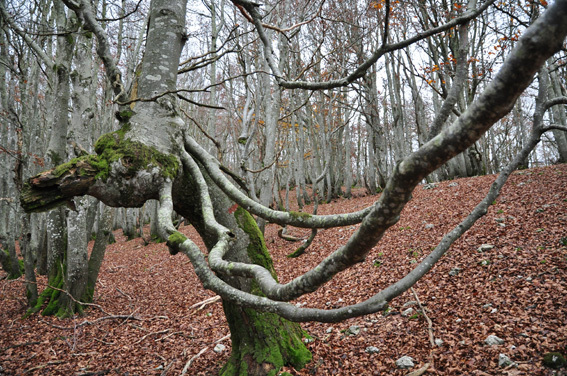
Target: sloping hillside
point(143, 322)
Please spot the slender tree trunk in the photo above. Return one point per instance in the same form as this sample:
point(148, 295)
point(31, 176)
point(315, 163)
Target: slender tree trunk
point(99, 248)
point(56, 227)
point(348, 163)
point(76, 271)
point(559, 117)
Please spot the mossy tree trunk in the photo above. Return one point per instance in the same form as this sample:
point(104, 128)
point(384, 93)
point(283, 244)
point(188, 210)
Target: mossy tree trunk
point(262, 342)
point(133, 163)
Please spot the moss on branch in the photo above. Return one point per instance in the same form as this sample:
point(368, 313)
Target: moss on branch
point(52, 188)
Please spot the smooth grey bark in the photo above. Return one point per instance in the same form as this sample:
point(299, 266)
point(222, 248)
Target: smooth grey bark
point(56, 151)
point(76, 260)
point(103, 234)
point(131, 216)
point(376, 165)
point(559, 116)
point(272, 102)
point(154, 226)
point(8, 137)
point(348, 162)
point(217, 23)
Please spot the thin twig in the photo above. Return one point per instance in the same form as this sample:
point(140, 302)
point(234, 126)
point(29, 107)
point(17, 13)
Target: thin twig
point(421, 371)
point(429, 322)
point(166, 370)
point(191, 361)
point(20, 345)
point(205, 302)
point(223, 338)
point(44, 365)
point(97, 373)
point(87, 322)
point(167, 336)
point(123, 293)
point(431, 337)
point(152, 333)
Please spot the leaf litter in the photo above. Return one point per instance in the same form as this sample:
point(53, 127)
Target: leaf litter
point(153, 317)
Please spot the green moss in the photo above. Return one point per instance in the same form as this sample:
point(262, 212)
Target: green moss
point(136, 156)
point(261, 340)
point(52, 294)
point(176, 239)
point(89, 295)
point(157, 239)
point(124, 115)
point(63, 168)
point(257, 249)
point(554, 360)
point(7, 265)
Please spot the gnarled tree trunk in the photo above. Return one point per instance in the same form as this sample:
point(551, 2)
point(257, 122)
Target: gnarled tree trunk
point(133, 165)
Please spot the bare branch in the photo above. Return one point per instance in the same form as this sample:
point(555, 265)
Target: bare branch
point(555, 101)
point(361, 70)
point(34, 46)
point(121, 17)
point(534, 47)
point(555, 127)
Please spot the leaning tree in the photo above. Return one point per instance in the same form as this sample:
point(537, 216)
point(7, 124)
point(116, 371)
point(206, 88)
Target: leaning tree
point(153, 156)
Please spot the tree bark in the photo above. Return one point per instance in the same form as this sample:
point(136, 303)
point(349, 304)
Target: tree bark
point(145, 160)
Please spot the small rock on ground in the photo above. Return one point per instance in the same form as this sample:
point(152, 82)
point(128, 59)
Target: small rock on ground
point(492, 340)
point(405, 362)
point(372, 350)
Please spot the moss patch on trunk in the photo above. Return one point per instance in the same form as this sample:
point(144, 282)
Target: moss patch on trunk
point(136, 156)
point(262, 343)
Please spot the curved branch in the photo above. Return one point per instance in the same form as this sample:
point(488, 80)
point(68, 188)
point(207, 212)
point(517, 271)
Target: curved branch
point(377, 302)
point(533, 48)
point(554, 102)
point(283, 218)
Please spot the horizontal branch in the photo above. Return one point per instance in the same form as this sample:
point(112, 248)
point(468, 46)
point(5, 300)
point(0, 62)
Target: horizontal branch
point(58, 186)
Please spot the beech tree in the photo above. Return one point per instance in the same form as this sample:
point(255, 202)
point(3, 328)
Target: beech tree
point(154, 157)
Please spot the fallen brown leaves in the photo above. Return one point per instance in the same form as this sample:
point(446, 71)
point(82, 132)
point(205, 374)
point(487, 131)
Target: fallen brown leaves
point(516, 290)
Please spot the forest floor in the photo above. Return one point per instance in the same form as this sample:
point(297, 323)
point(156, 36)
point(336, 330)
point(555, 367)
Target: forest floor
point(517, 291)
